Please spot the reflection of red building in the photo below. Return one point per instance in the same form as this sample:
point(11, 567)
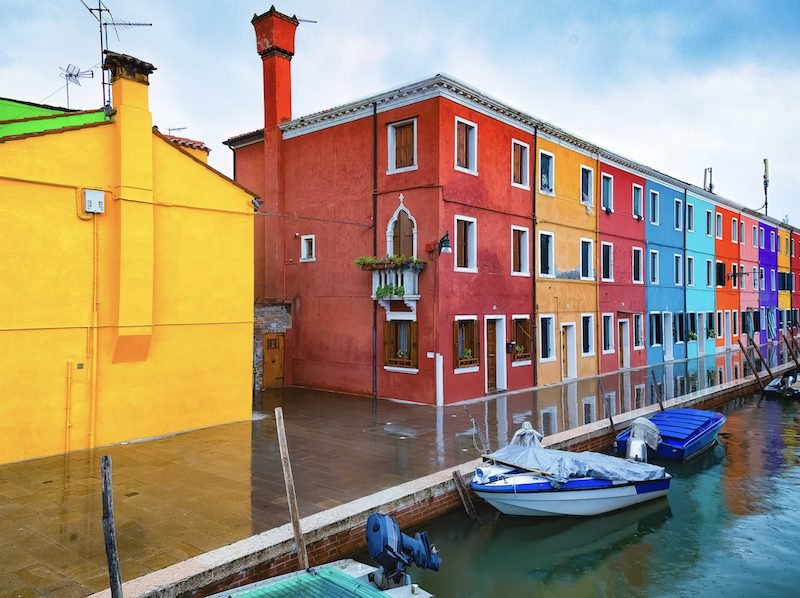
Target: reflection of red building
point(619, 298)
point(442, 160)
point(727, 277)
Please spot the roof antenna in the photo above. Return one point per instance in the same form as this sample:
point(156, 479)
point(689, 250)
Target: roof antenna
point(103, 23)
point(766, 184)
point(708, 180)
point(171, 129)
point(73, 74)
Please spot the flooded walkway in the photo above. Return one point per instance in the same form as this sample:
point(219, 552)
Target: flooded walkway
point(183, 495)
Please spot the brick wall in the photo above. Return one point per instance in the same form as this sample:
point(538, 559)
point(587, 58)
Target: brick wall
point(266, 319)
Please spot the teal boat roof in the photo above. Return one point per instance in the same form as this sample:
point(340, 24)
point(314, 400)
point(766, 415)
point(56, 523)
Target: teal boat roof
point(328, 581)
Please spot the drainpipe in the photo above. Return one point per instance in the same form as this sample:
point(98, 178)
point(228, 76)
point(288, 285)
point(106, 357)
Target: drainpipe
point(93, 355)
point(685, 291)
point(598, 351)
point(374, 246)
point(534, 270)
point(68, 415)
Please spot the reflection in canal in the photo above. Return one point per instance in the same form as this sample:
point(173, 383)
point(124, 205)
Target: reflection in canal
point(729, 526)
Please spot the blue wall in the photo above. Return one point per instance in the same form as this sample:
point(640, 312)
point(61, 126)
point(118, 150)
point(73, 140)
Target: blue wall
point(700, 297)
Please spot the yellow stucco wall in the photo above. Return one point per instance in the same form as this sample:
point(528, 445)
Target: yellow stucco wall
point(563, 215)
point(168, 266)
point(784, 265)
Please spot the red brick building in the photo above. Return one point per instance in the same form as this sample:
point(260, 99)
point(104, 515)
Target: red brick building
point(401, 173)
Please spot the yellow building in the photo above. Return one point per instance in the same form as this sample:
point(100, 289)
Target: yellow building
point(127, 273)
point(784, 275)
point(567, 288)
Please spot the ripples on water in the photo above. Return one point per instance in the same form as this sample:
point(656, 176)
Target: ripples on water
point(729, 526)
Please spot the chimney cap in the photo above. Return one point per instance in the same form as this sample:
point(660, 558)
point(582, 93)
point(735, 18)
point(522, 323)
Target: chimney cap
point(272, 12)
point(129, 67)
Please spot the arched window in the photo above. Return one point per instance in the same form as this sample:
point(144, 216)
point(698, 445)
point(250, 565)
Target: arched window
point(403, 235)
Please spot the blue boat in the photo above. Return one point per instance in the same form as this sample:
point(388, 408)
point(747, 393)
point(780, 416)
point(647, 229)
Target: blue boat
point(685, 433)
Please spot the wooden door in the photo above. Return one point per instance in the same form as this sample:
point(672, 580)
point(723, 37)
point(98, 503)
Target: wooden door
point(491, 355)
point(272, 345)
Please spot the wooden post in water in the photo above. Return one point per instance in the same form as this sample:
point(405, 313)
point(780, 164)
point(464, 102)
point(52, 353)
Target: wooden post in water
point(291, 497)
point(791, 351)
point(463, 493)
point(659, 398)
point(109, 533)
point(761, 357)
point(605, 403)
point(751, 364)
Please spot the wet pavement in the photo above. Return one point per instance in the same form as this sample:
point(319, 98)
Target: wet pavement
point(180, 496)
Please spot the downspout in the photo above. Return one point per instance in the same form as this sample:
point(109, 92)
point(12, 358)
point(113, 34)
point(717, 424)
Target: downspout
point(533, 268)
point(93, 350)
point(374, 245)
point(685, 289)
point(68, 415)
point(598, 322)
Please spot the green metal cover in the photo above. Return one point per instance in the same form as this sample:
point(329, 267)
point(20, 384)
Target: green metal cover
point(323, 582)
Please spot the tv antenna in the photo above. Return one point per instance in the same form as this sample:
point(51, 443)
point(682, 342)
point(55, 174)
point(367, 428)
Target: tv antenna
point(105, 20)
point(171, 129)
point(73, 74)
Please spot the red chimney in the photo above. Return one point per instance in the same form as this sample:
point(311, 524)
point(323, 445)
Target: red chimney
point(275, 44)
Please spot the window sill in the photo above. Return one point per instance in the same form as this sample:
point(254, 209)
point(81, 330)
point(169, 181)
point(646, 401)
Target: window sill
point(592, 354)
point(547, 360)
point(307, 259)
point(400, 170)
point(547, 192)
point(521, 186)
point(609, 351)
point(651, 223)
point(638, 282)
point(469, 370)
point(465, 170)
point(523, 274)
point(518, 364)
point(469, 270)
point(606, 280)
point(397, 370)
point(638, 347)
point(546, 275)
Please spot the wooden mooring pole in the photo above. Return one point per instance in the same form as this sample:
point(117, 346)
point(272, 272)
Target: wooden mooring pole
point(109, 532)
point(291, 497)
point(463, 493)
point(606, 401)
point(791, 351)
point(761, 357)
point(657, 390)
point(751, 364)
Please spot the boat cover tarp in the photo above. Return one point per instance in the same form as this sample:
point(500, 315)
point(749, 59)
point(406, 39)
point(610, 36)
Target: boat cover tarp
point(525, 452)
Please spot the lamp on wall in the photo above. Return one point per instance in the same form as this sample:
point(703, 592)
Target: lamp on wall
point(444, 244)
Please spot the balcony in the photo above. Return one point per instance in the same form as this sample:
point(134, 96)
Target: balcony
point(396, 284)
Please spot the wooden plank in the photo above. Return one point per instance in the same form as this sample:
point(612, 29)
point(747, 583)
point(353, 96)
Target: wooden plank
point(791, 351)
point(109, 532)
point(464, 494)
point(659, 398)
point(761, 357)
point(291, 497)
point(606, 401)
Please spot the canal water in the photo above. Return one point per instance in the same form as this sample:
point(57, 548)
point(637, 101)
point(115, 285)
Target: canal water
point(730, 526)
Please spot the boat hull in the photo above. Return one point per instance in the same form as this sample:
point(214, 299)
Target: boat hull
point(576, 502)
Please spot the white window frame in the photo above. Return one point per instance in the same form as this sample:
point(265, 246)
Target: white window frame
point(679, 206)
point(655, 273)
point(734, 230)
point(473, 147)
point(742, 232)
point(710, 274)
point(709, 224)
point(660, 318)
point(611, 263)
point(762, 237)
point(762, 277)
point(552, 328)
point(755, 278)
point(772, 241)
point(526, 251)
point(392, 141)
point(610, 177)
point(734, 275)
point(591, 352)
point(735, 323)
point(677, 274)
point(514, 317)
point(718, 232)
point(303, 256)
point(590, 202)
point(526, 165)
point(472, 244)
point(689, 217)
point(689, 271)
point(721, 283)
point(640, 250)
point(772, 285)
point(552, 173)
point(755, 236)
point(591, 259)
point(720, 326)
point(470, 368)
point(655, 217)
point(611, 348)
point(552, 260)
point(634, 187)
point(638, 324)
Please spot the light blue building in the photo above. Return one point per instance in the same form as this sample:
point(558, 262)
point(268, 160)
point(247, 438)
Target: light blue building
point(700, 296)
point(667, 273)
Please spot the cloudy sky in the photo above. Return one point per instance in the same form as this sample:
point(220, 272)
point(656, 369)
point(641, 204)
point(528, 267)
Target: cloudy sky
point(676, 85)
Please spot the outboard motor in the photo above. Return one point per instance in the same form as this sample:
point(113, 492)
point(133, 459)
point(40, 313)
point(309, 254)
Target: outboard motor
point(394, 552)
point(644, 433)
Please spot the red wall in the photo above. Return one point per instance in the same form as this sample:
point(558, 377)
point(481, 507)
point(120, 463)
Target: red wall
point(624, 231)
point(726, 251)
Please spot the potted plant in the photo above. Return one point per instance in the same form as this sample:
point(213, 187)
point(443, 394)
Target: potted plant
point(402, 354)
point(711, 333)
point(416, 263)
point(389, 290)
point(692, 336)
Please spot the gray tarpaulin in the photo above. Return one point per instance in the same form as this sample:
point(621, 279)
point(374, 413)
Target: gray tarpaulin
point(525, 452)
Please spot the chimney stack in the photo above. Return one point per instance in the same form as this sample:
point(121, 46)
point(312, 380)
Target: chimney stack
point(275, 44)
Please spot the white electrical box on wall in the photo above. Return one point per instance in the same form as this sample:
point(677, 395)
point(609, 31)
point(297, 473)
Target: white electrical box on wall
point(94, 201)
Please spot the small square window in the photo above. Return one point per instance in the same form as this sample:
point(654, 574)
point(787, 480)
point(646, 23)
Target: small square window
point(466, 343)
point(654, 267)
point(547, 336)
point(607, 262)
point(637, 273)
point(308, 249)
point(637, 207)
point(690, 217)
point(607, 193)
point(654, 207)
point(546, 254)
point(587, 186)
point(519, 251)
point(523, 338)
point(587, 259)
point(587, 334)
point(466, 258)
point(608, 333)
point(678, 215)
point(400, 344)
